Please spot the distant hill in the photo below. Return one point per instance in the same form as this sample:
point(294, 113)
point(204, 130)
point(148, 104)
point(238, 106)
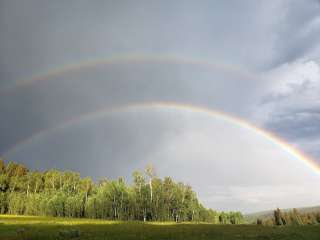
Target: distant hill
point(252, 217)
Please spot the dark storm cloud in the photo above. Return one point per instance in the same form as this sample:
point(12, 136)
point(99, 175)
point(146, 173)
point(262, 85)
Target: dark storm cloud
point(48, 103)
point(109, 146)
point(36, 36)
point(298, 32)
point(296, 124)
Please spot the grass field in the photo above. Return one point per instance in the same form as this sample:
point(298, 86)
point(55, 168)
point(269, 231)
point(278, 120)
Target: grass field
point(29, 228)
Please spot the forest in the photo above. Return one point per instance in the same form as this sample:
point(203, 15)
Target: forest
point(65, 194)
point(289, 218)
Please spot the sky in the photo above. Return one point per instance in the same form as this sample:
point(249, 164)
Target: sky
point(70, 70)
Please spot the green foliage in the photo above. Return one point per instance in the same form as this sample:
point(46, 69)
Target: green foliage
point(278, 217)
point(291, 218)
point(3, 203)
point(16, 203)
point(65, 194)
point(32, 206)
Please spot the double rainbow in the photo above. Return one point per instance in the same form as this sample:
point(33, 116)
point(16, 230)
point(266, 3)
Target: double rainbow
point(158, 104)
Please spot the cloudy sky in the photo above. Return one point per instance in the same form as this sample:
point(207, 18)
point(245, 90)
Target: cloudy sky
point(255, 61)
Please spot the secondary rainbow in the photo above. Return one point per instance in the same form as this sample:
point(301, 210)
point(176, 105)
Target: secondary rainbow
point(130, 59)
point(177, 107)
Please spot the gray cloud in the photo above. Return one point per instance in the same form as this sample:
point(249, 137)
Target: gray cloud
point(37, 36)
point(298, 31)
point(291, 109)
point(51, 102)
point(297, 124)
point(111, 146)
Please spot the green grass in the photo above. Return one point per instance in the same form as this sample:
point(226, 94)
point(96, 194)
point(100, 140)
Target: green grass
point(29, 228)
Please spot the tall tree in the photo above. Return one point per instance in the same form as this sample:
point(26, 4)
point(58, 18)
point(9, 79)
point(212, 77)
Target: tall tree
point(150, 173)
point(2, 166)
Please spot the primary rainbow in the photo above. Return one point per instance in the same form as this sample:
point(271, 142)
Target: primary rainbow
point(177, 107)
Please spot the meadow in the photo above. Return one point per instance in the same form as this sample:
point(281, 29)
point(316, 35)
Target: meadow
point(31, 228)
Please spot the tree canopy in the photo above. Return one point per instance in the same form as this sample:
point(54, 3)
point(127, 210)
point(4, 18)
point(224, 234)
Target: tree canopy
point(66, 194)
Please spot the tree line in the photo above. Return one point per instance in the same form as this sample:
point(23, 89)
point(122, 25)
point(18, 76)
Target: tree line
point(289, 218)
point(66, 194)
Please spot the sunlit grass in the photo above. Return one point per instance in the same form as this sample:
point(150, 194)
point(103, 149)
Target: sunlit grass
point(18, 219)
point(36, 228)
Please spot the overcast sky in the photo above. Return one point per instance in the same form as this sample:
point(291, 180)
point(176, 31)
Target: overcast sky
point(254, 60)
